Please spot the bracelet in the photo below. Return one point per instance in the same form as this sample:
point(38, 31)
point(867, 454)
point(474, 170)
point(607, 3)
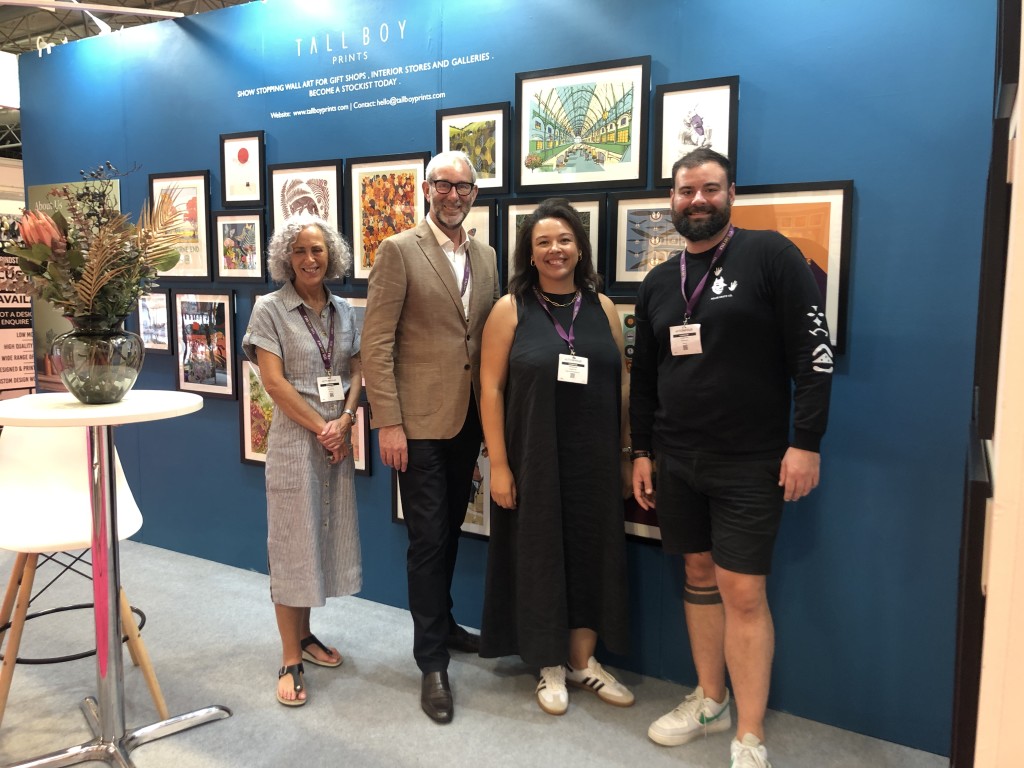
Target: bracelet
point(351, 413)
point(634, 455)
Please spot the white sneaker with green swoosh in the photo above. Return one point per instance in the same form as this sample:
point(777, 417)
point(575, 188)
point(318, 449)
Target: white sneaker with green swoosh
point(696, 716)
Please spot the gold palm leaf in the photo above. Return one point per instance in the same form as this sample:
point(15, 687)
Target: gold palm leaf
point(157, 232)
point(105, 260)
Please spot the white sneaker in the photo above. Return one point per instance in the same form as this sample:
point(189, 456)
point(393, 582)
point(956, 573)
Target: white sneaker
point(749, 753)
point(551, 693)
point(696, 716)
point(594, 678)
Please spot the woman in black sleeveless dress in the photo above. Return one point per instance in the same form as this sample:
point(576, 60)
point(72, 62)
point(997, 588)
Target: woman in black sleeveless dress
point(551, 384)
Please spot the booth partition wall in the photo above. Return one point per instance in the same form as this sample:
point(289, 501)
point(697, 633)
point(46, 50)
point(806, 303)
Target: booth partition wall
point(880, 111)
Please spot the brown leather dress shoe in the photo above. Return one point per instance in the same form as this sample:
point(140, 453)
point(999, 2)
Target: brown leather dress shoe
point(436, 697)
point(463, 640)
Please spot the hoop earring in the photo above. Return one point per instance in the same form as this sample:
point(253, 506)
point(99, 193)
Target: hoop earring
point(532, 263)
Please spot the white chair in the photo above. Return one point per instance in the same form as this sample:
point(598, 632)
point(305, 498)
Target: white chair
point(44, 483)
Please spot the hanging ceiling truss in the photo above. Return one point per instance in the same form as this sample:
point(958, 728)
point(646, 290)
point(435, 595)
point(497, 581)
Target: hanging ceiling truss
point(27, 28)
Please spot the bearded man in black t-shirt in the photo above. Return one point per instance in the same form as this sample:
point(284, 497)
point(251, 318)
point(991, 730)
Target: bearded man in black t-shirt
point(729, 389)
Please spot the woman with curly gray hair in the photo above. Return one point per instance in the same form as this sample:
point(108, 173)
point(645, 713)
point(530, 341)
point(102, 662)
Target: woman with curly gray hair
point(306, 344)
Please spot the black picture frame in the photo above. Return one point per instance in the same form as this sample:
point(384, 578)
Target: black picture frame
point(693, 114)
point(641, 236)
point(592, 209)
point(314, 186)
point(243, 174)
point(153, 316)
point(362, 456)
point(800, 211)
point(189, 192)
point(582, 127)
point(204, 330)
point(256, 413)
point(482, 222)
point(478, 507)
point(482, 132)
point(244, 260)
point(393, 212)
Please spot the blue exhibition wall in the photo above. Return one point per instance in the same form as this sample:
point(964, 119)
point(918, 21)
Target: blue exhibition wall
point(896, 96)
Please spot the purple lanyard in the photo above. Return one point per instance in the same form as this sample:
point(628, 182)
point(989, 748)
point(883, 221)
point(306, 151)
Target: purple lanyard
point(569, 337)
point(325, 354)
point(691, 303)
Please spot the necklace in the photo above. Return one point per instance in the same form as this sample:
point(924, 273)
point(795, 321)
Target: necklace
point(555, 303)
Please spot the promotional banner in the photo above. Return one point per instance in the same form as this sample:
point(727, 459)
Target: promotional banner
point(17, 372)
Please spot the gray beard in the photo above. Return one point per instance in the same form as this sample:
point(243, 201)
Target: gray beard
point(696, 231)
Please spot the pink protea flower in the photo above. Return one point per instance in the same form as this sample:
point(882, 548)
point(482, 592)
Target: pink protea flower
point(37, 227)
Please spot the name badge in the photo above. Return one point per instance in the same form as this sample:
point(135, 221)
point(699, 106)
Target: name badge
point(330, 388)
point(685, 339)
point(572, 369)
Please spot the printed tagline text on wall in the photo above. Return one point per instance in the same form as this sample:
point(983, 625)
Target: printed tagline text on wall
point(352, 83)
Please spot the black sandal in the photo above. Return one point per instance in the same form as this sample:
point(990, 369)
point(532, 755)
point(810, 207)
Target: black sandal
point(294, 670)
point(307, 656)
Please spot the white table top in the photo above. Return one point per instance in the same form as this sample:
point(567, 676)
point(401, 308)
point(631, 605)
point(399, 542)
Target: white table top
point(61, 409)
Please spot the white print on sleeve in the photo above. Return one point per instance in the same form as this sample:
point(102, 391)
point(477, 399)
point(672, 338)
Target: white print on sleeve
point(822, 356)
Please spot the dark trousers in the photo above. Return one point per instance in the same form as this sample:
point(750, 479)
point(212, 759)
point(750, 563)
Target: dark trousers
point(435, 492)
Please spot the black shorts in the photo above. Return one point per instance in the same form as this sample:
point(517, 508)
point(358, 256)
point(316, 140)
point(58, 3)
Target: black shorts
point(728, 507)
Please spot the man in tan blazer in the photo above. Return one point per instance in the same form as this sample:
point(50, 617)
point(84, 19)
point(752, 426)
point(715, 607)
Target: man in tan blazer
point(430, 292)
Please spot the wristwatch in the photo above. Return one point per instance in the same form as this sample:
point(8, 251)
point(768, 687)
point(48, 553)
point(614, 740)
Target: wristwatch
point(351, 413)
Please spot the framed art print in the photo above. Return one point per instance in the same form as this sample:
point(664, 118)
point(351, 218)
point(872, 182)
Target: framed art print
point(627, 318)
point(478, 505)
point(239, 237)
point(582, 127)
point(640, 523)
point(514, 212)
point(189, 192)
point(818, 218)
point(313, 187)
point(361, 442)
point(204, 329)
point(257, 412)
point(154, 322)
point(642, 236)
point(694, 115)
point(384, 197)
point(482, 133)
point(482, 222)
point(359, 305)
point(242, 169)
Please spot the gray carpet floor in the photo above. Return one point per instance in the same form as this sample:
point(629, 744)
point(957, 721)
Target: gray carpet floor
point(210, 632)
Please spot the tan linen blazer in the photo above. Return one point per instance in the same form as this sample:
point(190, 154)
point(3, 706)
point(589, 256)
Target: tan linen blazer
point(420, 356)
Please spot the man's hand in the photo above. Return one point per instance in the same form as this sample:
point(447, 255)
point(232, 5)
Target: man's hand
point(643, 483)
point(394, 449)
point(799, 473)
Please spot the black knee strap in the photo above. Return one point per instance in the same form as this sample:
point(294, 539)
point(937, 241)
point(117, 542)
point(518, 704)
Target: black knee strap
point(701, 595)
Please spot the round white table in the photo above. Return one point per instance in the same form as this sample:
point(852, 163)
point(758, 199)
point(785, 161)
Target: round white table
point(111, 743)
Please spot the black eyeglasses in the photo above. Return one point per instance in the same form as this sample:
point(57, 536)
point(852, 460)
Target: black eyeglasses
point(443, 187)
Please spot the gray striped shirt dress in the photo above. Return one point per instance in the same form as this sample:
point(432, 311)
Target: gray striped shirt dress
point(312, 525)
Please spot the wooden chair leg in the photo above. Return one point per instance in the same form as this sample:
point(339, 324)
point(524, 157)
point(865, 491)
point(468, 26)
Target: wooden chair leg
point(12, 591)
point(24, 594)
point(129, 628)
point(140, 656)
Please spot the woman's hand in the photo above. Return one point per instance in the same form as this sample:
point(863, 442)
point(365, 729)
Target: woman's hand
point(503, 486)
point(336, 437)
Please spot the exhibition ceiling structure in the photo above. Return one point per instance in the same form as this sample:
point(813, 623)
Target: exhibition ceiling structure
point(34, 26)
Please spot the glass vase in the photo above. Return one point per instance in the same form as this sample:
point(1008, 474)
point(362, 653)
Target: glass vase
point(98, 360)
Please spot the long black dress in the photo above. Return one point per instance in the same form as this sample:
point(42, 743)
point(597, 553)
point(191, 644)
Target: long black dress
point(558, 561)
